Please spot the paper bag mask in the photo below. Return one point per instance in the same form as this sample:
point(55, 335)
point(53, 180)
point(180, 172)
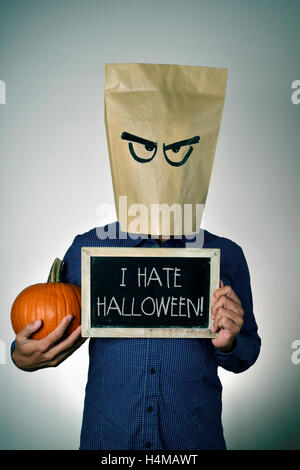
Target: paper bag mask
point(162, 125)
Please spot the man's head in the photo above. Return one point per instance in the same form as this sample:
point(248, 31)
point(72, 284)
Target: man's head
point(162, 124)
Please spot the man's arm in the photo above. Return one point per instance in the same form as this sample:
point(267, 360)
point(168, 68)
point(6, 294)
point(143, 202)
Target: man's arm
point(238, 345)
point(30, 355)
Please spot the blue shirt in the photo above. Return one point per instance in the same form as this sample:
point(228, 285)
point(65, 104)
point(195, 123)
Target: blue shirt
point(161, 393)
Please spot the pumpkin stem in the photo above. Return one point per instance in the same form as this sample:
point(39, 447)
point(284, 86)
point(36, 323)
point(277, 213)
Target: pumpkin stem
point(56, 271)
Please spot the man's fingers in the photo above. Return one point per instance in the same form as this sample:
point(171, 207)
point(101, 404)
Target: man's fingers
point(28, 330)
point(227, 303)
point(68, 343)
point(223, 323)
point(63, 353)
point(226, 291)
point(228, 320)
point(58, 333)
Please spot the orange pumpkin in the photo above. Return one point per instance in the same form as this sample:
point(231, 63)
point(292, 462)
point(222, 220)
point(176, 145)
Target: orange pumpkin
point(50, 302)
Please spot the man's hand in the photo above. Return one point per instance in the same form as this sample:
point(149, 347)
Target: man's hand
point(30, 354)
point(227, 313)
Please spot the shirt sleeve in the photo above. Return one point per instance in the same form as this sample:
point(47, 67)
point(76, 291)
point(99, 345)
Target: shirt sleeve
point(71, 273)
point(247, 345)
point(12, 348)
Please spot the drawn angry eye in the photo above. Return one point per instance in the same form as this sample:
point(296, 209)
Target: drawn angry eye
point(142, 149)
point(144, 146)
point(171, 149)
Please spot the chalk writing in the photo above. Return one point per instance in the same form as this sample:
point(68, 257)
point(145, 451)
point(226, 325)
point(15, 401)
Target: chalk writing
point(154, 291)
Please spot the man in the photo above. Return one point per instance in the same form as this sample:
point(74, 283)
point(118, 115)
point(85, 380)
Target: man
point(153, 393)
point(158, 393)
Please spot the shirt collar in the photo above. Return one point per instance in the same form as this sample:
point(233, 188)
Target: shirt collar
point(134, 239)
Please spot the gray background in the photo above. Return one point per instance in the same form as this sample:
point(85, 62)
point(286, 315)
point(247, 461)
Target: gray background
point(55, 174)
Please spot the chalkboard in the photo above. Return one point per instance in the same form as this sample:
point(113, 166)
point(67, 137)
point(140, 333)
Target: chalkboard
point(148, 292)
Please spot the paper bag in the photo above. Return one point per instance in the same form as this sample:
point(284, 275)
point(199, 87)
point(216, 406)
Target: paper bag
point(162, 125)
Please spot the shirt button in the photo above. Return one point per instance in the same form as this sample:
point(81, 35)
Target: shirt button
point(150, 409)
point(152, 370)
point(148, 445)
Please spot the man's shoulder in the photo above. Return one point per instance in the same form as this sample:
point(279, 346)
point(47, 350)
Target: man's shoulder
point(211, 240)
point(232, 254)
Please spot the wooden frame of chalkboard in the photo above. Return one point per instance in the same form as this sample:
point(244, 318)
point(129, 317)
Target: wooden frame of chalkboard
point(130, 292)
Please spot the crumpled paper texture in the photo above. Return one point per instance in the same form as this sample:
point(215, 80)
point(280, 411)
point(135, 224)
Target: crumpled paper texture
point(163, 104)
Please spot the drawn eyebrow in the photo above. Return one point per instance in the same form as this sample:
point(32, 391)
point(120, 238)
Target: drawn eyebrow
point(139, 140)
point(175, 146)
